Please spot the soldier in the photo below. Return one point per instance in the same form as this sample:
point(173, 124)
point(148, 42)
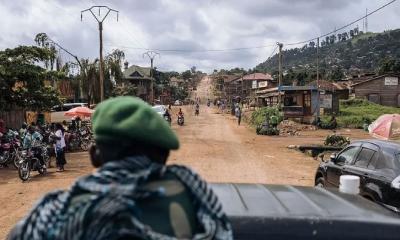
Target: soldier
point(133, 194)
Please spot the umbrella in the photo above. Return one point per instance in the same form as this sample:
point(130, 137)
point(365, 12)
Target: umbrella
point(79, 112)
point(386, 127)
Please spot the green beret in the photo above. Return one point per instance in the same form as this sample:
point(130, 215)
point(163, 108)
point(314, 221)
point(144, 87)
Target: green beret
point(129, 119)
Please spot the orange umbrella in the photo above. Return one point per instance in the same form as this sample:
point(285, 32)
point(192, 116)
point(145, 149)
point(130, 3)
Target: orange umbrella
point(79, 112)
point(386, 127)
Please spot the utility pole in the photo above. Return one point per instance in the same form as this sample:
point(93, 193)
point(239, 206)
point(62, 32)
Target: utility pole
point(100, 21)
point(151, 55)
point(280, 45)
point(318, 110)
point(366, 20)
point(317, 62)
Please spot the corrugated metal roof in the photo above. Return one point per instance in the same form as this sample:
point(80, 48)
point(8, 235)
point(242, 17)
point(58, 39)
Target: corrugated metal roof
point(257, 76)
point(143, 72)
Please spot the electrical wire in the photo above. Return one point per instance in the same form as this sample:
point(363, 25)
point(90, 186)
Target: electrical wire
point(193, 51)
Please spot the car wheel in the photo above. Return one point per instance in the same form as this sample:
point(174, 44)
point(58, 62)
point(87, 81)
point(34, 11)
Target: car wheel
point(320, 182)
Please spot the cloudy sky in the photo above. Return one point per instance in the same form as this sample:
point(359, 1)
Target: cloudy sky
point(188, 25)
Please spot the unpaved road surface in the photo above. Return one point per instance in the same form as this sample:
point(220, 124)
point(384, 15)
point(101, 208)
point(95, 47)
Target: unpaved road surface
point(211, 143)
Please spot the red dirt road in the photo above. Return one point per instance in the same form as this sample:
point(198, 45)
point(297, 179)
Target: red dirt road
point(212, 144)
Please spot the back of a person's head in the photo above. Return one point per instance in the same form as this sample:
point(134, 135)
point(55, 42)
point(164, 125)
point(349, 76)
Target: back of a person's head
point(126, 126)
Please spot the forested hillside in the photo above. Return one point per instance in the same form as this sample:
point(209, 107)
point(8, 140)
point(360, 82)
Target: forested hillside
point(340, 55)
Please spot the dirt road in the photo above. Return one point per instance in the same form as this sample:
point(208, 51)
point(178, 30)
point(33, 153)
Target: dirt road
point(211, 143)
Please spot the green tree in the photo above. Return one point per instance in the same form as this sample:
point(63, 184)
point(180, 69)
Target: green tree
point(22, 79)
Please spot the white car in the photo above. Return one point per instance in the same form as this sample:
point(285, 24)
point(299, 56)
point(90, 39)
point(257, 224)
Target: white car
point(160, 109)
point(178, 103)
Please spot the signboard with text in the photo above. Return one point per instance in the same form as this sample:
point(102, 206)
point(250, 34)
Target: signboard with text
point(263, 84)
point(391, 81)
point(325, 101)
point(254, 85)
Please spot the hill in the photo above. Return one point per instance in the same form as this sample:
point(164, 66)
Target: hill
point(343, 54)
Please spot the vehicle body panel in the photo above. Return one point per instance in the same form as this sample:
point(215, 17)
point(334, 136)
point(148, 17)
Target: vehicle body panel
point(376, 164)
point(290, 212)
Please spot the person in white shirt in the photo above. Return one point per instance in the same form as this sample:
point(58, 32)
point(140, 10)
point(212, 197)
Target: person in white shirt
point(60, 147)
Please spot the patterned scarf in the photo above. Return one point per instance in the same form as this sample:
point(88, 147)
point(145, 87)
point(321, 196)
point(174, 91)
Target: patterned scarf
point(112, 191)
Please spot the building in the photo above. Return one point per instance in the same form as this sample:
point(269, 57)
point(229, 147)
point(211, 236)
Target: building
point(141, 78)
point(300, 102)
point(383, 89)
point(330, 93)
point(250, 83)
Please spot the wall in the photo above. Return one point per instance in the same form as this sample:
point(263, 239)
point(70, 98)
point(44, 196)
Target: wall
point(14, 118)
point(387, 94)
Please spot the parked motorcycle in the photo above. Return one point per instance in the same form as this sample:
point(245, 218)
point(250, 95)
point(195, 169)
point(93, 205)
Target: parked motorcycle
point(30, 162)
point(15, 152)
point(181, 120)
point(85, 139)
point(5, 149)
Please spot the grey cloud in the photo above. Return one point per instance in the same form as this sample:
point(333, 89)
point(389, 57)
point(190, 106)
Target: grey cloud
point(186, 24)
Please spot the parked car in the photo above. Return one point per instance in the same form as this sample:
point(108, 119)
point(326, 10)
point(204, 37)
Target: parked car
point(292, 212)
point(178, 103)
point(57, 112)
point(160, 109)
point(376, 162)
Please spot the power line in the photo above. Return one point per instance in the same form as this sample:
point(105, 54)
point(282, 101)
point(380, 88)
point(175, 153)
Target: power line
point(345, 26)
point(193, 51)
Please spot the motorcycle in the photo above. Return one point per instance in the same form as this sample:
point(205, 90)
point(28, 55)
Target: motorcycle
point(85, 139)
point(15, 152)
point(168, 119)
point(181, 120)
point(5, 149)
point(29, 163)
point(197, 112)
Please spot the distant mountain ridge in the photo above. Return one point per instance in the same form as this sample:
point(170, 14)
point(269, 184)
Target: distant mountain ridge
point(340, 55)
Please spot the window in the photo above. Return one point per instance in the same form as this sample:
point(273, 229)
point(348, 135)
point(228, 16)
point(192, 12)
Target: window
point(307, 100)
point(364, 157)
point(292, 101)
point(374, 161)
point(375, 98)
point(347, 156)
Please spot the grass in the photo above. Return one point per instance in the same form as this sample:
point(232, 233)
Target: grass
point(354, 113)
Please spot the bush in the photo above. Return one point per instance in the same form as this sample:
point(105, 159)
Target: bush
point(336, 140)
point(258, 117)
point(267, 131)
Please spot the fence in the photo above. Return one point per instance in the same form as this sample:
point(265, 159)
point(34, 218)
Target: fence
point(14, 118)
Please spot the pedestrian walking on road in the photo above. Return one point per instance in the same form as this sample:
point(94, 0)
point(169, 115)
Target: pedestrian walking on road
point(238, 113)
point(133, 194)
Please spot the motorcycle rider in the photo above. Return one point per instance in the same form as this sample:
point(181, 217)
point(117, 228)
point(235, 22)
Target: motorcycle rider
point(22, 131)
point(197, 111)
point(33, 140)
point(167, 115)
point(180, 115)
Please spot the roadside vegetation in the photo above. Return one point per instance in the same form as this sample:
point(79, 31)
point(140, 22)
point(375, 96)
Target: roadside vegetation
point(357, 113)
point(258, 117)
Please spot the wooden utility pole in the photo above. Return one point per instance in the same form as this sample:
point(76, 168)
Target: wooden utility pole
point(317, 62)
point(151, 55)
point(318, 110)
point(100, 21)
point(280, 45)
